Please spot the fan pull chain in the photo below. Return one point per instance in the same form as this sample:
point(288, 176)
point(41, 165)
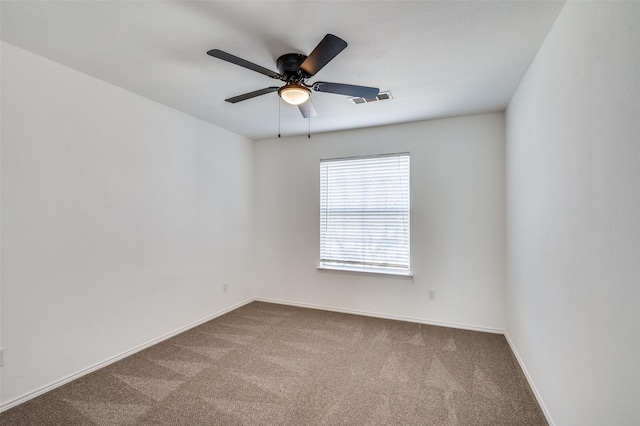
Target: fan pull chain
point(309, 114)
point(279, 103)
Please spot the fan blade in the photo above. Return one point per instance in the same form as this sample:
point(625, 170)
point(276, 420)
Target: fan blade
point(346, 89)
point(306, 108)
point(250, 95)
point(324, 52)
point(216, 53)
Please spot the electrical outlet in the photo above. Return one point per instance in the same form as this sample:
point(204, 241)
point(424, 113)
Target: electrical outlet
point(432, 295)
point(1, 357)
point(224, 287)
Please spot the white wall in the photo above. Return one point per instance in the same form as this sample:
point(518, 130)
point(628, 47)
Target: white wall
point(121, 218)
point(457, 222)
point(573, 211)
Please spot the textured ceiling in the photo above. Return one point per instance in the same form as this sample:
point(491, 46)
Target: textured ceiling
point(438, 59)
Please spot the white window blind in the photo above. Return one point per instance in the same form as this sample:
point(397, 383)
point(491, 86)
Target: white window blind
point(364, 213)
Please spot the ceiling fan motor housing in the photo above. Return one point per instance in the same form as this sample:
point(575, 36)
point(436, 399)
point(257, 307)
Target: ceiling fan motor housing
point(289, 66)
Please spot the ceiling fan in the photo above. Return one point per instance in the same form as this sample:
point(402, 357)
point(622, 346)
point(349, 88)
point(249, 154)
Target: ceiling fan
point(295, 69)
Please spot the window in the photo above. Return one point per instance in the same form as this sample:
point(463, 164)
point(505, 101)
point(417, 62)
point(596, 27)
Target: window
point(364, 214)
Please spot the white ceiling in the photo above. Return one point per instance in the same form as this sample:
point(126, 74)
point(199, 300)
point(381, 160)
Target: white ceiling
point(438, 59)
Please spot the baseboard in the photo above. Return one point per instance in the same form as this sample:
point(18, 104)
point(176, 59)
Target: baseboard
point(545, 411)
point(381, 315)
point(17, 401)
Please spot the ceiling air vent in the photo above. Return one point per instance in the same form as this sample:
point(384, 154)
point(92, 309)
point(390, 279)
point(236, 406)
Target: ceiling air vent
point(382, 96)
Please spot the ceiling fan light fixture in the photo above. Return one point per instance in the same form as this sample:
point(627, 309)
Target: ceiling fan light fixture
point(294, 94)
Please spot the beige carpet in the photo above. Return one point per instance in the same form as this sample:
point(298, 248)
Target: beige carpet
point(267, 364)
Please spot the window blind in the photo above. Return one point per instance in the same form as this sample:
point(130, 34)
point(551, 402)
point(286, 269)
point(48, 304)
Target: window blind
point(364, 213)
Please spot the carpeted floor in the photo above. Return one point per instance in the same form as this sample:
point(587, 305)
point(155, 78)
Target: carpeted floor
point(267, 364)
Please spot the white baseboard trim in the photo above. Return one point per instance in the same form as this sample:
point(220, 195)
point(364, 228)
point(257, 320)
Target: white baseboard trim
point(547, 415)
point(380, 315)
point(17, 401)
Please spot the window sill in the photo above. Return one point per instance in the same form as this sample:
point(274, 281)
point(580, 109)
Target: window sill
point(408, 275)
